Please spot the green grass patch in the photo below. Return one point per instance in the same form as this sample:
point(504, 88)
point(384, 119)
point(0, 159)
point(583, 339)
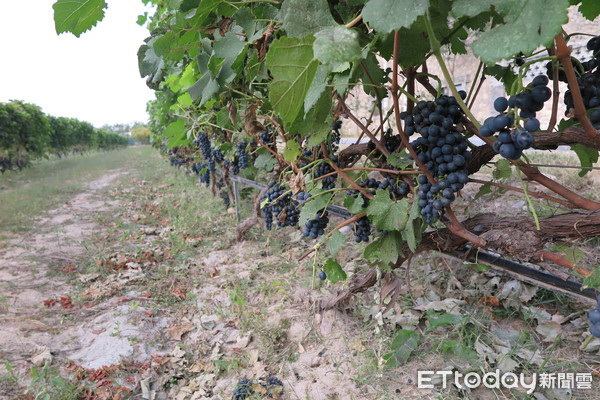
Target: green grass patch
point(26, 194)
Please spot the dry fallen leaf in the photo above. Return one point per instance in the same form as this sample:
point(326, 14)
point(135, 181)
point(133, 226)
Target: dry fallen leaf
point(175, 332)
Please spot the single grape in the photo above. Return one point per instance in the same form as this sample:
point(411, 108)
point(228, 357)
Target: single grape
point(594, 315)
point(322, 275)
point(595, 329)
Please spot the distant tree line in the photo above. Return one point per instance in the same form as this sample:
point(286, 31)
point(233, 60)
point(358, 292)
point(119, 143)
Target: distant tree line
point(27, 133)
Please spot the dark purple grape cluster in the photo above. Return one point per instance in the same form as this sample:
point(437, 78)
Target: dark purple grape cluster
point(279, 205)
point(314, 227)
point(267, 137)
point(443, 149)
point(177, 160)
point(589, 84)
point(335, 137)
point(391, 142)
point(325, 168)
point(272, 380)
point(203, 142)
point(243, 389)
point(217, 155)
point(225, 197)
point(397, 189)
point(204, 176)
point(242, 155)
point(362, 230)
point(594, 318)
point(511, 140)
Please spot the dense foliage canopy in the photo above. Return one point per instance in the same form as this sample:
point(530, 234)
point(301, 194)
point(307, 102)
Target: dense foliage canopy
point(262, 88)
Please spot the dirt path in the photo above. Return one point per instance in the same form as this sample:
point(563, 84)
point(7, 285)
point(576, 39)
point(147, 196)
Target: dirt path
point(33, 267)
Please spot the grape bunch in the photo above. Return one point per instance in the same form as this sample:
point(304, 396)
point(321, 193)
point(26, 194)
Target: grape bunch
point(217, 154)
point(242, 155)
point(594, 318)
point(391, 142)
point(272, 380)
point(362, 230)
point(205, 176)
point(589, 84)
point(362, 226)
point(511, 140)
point(225, 197)
point(443, 149)
point(281, 205)
point(268, 139)
point(203, 142)
point(243, 389)
point(335, 137)
point(314, 227)
point(325, 168)
point(396, 190)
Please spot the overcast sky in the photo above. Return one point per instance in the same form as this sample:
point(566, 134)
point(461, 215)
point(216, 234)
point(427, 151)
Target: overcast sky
point(94, 78)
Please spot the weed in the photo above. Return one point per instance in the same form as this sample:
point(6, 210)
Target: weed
point(47, 384)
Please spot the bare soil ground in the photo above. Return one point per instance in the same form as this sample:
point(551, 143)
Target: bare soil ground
point(136, 288)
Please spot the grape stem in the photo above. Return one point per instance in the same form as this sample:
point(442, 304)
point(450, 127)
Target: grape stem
point(555, 92)
point(516, 189)
point(529, 203)
point(563, 53)
point(561, 260)
point(363, 128)
point(435, 47)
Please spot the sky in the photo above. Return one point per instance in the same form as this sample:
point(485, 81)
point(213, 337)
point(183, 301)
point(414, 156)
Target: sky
point(92, 78)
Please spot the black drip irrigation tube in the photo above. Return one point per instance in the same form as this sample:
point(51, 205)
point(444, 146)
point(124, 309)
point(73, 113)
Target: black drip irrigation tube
point(514, 269)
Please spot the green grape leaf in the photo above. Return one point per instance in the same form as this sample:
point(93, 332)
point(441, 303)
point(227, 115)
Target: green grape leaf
point(148, 62)
point(292, 151)
point(390, 15)
point(334, 271)
point(316, 89)
point(387, 248)
point(503, 169)
point(336, 45)
point(436, 319)
point(403, 345)
point(503, 74)
point(528, 25)
point(313, 205)
point(335, 242)
point(471, 8)
point(354, 205)
point(174, 128)
point(373, 75)
point(387, 214)
point(265, 161)
point(293, 67)
point(205, 88)
point(399, 160)
point(77, 16)
point(412, 233)
point(302, 18)
point(458, 349)
point(486, 188)
point(590, 9)
point(587, 157)
point(592, 281)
